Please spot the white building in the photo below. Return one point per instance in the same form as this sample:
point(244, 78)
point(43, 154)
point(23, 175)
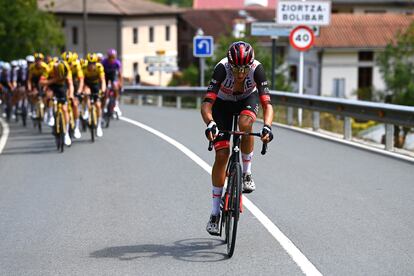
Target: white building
point(137, 29)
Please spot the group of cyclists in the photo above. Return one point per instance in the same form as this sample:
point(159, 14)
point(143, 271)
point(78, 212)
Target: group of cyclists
point(33, 87)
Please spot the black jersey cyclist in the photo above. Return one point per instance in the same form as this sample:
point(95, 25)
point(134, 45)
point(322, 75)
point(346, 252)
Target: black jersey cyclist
point(238, 84)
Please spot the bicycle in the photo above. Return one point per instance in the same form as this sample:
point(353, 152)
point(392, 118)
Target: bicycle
point(93, 118)
point(60, 127)
point(39, 110)
point(71, 118)
point(232, 198)
point(110, 101)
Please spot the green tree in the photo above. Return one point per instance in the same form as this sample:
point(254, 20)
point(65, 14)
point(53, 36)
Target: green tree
point(397, 67)
point(25, 29)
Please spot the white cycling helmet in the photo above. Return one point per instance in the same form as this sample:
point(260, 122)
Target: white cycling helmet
point(100, 56)
point(6, 66)
point(30, 58)
point(14, 63)
point(22, 63)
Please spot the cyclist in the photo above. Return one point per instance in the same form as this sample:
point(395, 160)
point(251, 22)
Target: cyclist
point(113, 75)
point(94, 85)
point(59, 80)
point(36, 70)
point(6, 86)
point(20, 90)
point(237, 85)
point(15, 93)
point(77, 77)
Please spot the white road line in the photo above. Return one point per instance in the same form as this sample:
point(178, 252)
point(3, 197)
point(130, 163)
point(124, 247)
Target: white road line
point(304, 264)
point(5, 135)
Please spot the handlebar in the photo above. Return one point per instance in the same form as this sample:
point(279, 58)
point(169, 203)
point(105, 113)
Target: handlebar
point(240, 133)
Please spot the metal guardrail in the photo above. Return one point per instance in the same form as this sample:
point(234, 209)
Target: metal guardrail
point(388, 114)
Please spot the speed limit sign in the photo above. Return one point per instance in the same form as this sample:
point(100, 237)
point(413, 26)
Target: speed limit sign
point(302, 38)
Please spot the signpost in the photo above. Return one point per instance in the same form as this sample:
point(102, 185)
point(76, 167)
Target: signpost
point(301, 38)
point(310, 13)
point(161, 63)
point(269, 29)
point(203, 46)
point(303, 14)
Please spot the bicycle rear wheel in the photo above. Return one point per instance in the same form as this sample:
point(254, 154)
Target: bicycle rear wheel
point(233, 207)
point(61, 135)
point(93, 123)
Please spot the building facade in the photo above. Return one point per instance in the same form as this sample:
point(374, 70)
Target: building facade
point(343, 59)
point(137, 29)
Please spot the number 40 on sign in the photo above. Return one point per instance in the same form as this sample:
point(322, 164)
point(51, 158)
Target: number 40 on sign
point(302, 38)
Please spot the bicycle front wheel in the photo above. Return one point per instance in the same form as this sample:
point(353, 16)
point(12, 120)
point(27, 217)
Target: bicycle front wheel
point(233, 206)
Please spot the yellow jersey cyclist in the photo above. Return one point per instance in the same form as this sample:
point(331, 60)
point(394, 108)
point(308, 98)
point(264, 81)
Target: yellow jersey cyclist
point(59, 80)
point(77, 76)
point(36, 70)
point(94, 86)
point(238, 84)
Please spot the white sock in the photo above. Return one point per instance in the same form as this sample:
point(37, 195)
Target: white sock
point(77, 123)
point(100, 122)
point(50, 112)
point(217, 191)
point(247, 163)
point(67, 129)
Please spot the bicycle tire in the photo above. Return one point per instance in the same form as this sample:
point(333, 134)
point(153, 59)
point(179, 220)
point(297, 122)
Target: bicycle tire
point(39, 126)
point(62, 140)
point(93, 123)
point(233, 212)
point(56, 133)
point(24, 115)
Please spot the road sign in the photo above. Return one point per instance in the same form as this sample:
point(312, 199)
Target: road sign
point(160, 59)
point(269, 29)
point(203, 46)
point(302, 38)
point(167, 68)
point(311, 13)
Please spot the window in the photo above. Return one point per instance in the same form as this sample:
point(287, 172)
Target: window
point(135, 68)
point(151, 34)
point(293, 73)
point(364, 77)
point(338, 88)
point(135, 35)
point(167, 33)
point(75, 35)
point(310, 77)
point(366, 56)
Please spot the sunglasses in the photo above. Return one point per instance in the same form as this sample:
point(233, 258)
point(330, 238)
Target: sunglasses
point(240, 69)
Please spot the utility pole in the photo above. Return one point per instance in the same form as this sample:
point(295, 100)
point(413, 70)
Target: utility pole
point(85, 20)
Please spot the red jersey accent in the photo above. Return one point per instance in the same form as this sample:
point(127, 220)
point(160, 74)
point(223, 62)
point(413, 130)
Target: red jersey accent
point(264, 99)
point(249, 113)
point(211, 95)
point(221, 145)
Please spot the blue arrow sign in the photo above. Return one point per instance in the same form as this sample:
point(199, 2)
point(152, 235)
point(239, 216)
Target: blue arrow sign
point(203, 46)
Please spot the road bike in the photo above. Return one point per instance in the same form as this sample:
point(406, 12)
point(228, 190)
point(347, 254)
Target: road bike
point(110, 102)
point(93, 118)
point(232, 204)
point(71, 118)
point(60, 127)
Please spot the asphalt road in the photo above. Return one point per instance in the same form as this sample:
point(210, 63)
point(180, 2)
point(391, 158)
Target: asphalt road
point(132, 204)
